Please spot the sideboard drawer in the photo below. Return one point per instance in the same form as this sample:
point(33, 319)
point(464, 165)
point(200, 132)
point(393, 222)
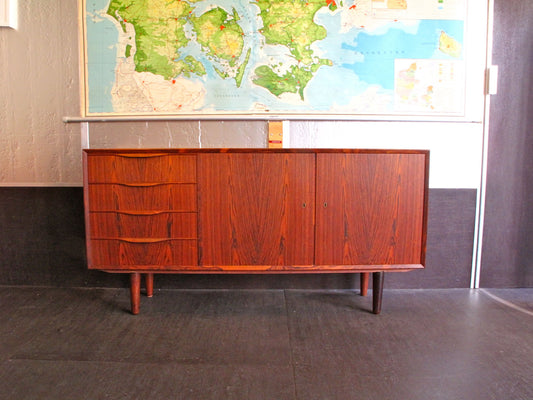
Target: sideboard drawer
point(169, 225)
point(163, 197)
point(143, 254)
point(142, 168)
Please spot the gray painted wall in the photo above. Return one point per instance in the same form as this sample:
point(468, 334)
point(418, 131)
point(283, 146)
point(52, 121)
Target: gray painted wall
point(39, 83)
point(507, 259)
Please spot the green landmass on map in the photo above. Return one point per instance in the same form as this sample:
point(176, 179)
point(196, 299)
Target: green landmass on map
point(220, 34)
point(291, 24)
point(159, 35)
point(242, 69)
point(189, 66)
point(293, 81)
point(160, 39)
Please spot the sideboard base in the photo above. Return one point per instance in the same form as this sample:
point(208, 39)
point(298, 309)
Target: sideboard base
point(135, 289)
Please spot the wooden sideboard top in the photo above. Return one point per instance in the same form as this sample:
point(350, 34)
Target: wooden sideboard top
point(253, 150)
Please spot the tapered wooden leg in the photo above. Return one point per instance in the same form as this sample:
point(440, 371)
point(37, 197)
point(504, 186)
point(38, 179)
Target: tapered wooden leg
point(135, 292)
point(149, 280)
point(377, 291)
point(364, 282)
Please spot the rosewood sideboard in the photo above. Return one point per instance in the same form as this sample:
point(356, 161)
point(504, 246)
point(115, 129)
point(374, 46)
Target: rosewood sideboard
point(255, 211)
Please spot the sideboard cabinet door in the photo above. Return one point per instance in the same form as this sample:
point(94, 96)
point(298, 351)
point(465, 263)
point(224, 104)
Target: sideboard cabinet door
point(370, 208)
point(256, 209)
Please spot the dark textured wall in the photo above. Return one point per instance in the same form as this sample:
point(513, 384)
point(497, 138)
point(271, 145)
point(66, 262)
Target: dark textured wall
point(507, 259)
point(42, 243)
point(42, 238)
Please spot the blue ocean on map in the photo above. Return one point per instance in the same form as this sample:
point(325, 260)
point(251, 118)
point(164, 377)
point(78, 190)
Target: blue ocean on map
point(101, 73)
point(379, 51)
point(362, 59)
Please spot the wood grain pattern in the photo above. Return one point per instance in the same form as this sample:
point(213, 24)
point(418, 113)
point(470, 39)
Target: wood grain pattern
point(142, 167)
point(141, 210)
point(142, 197)
point(256, 209)
point(135, 292)
point(168, 225)
point(370, 208)
point(143, 254)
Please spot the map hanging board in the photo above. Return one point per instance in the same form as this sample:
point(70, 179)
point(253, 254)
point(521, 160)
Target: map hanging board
point(274, 57)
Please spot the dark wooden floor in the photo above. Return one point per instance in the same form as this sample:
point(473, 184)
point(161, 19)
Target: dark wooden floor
point(266, 344)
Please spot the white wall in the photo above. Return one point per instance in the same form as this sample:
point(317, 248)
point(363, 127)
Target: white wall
point(455, 148)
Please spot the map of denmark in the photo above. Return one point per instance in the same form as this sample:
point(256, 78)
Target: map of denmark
point(278, 56)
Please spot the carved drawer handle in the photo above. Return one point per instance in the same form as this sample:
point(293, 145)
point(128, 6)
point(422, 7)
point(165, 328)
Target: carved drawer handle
point(142, 213)
point(141, 184)
point(143, 240)
point(141, 155)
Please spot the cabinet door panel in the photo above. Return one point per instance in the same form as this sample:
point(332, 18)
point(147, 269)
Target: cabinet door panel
point(370, 208)
point(256, 209)
point(142, 168)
